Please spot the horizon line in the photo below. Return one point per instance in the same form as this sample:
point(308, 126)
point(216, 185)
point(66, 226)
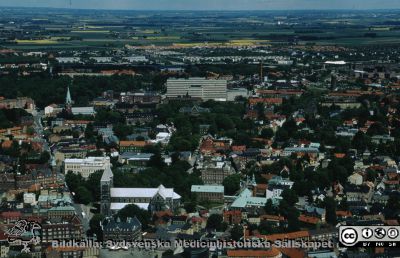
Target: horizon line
point(199, 10)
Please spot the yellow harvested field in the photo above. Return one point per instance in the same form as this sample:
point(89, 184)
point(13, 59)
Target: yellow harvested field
point(232, 43)
point(196, 44)
point(381, 28)
point(36, 41)
point(60, 38)
point(95, 27)
point(148, 31)
point(163, 38)
point(248, 41)
point(90, 31)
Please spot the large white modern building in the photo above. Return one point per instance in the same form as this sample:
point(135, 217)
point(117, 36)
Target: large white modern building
point(205, 89)
point(86, 166)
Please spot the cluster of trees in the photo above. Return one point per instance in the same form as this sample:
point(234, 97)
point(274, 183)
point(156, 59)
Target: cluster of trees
point(232, 184)
point(215, 222)
point(337, 171)
point(157, 173)
point(12, 117)
point(130, 210)
point(95, 226)
point(86, 191)
point(287, 209)
point(83, 89)
point(104, 115)
point(224, 119)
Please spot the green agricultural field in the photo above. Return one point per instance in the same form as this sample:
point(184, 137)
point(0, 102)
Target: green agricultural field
point(69, 29)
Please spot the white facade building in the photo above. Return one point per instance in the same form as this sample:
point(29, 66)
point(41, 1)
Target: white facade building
point(52, 109)
point(29, 198)
point(86, 166)
point(197, 88)
point(232, 94)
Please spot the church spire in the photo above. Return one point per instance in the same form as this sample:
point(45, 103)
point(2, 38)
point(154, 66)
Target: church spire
point(253, 180)
point(68, 100)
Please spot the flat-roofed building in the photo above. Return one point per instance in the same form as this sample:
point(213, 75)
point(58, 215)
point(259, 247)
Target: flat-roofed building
point(135, 161)
point(86, 167)
point(68, 153)
point(209, 192)
point(148, 97)
point(234, 93)
point(205, 89)
point(83, 111)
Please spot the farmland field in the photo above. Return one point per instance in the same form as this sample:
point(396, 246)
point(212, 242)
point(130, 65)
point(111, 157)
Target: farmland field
point(71, 29)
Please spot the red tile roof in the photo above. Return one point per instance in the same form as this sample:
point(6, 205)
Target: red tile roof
point(11, 214)
point(132, 143)
point(232, 212)
point(160, 214)
point(293, 252)
point(262, 186)
point(272, 217)
point(238, 147)
point(391, 222)
point(2, 235)
point(271, 101)
point(267, 176)
point(339, 155)
point(6, 144)
point(293, 235)
point(309, 220)
point(391, 182)
point(343, 213)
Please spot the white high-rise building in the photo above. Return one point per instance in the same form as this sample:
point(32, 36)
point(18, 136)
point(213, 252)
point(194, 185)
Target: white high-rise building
point(197, 88)
point(86, 166)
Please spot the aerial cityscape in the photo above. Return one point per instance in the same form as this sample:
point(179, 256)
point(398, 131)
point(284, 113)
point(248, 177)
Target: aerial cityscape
point(184, 129)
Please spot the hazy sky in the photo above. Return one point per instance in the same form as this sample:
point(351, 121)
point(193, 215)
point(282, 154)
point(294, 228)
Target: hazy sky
point(208, 4)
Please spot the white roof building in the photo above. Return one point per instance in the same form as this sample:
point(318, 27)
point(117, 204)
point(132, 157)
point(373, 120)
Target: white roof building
point(207, 189)
point(144, 192)
point(66, 60)
point(246, 199)
point(143, 197)
point(83, 111)
point(336, 62)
